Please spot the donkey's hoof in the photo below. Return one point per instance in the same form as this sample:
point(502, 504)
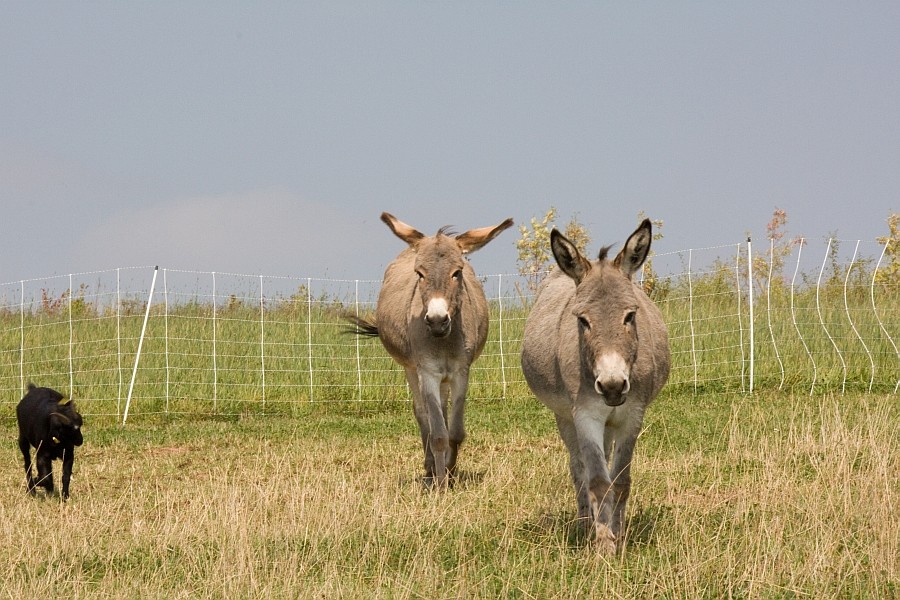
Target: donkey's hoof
point(604, 540)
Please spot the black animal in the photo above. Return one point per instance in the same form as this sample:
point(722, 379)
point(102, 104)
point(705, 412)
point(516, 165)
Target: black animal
point(49, 422)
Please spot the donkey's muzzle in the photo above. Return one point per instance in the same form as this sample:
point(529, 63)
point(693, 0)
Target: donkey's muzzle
point(614, 392)
point(438, 326)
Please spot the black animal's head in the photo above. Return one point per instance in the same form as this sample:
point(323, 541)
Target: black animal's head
point(65, 424)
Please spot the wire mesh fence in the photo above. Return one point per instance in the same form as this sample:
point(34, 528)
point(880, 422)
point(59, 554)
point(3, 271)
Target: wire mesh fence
point(823, 318)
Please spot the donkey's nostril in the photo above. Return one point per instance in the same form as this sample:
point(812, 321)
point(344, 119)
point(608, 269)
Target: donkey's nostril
point(438, 321)
point(613, 391)
point(438, 326)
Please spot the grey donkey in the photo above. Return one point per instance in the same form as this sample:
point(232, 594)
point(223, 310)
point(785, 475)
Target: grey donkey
point(596, 353)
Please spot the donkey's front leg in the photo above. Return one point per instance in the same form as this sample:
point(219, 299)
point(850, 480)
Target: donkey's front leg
point(620, 470)
point(590, 419)
point(421, 414)
point(576, 467)
point(459, 385)
point(436, 433)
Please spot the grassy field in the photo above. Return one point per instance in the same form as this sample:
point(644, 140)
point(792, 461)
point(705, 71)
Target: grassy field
point(302, 479)
point(764, 496)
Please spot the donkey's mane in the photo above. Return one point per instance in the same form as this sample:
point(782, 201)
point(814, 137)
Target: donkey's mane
point(446, 230)
point(604, 251)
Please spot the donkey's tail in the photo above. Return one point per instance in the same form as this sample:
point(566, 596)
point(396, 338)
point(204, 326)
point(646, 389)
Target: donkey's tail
point(360, 327)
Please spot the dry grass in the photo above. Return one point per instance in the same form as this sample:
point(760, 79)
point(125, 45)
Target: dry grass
point(763, 497)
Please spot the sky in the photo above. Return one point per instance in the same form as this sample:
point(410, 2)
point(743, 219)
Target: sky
point(267, 138)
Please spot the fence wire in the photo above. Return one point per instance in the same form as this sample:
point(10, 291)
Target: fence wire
point(224, 343)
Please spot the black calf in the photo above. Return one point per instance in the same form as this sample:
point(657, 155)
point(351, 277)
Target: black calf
point(49, 422)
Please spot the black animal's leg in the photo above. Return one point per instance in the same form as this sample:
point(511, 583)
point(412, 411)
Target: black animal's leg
point(68, 461)
point(25, 447)
point(45, 471)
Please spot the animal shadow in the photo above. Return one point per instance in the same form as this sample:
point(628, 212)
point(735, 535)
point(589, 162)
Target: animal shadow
point(461, 480)
point(566, 529)
point(562, 528)
point(640, 527)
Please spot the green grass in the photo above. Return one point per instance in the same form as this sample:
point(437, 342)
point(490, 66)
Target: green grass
point(296, 353)
point(764, 496)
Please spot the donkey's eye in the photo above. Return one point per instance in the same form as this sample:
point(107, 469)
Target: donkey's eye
point(582, 320)
point(421, 275)
point(629, 317)
point(457, 274)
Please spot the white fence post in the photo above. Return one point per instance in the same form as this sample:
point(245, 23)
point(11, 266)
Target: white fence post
point(214, 355)
point(740, 315)
point(500, 327)
point(119, 342)
point(137, 357)
point(750, 301)
point(850, 318)
point(71, 342)
point(262, 340)
point(875, 310)
point(22, 335)
point(822, 318)
point(812, 386)
point(309, 345)
point(166, 332)
point(769, 309)
point(358, 360)
point(691, 316)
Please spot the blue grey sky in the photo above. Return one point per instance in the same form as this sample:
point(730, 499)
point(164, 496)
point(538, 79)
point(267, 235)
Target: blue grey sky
point(267, 138)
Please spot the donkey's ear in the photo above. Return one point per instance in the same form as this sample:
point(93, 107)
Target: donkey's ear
point(475, 239)
point(567, 256)
point(403, 231)
point(636, 249)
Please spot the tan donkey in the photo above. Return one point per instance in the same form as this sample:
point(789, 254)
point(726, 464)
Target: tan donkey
point(432, 318)
point(596, 352)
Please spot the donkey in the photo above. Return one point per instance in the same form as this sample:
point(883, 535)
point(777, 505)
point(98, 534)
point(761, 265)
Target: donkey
point(596, 353)
point(432, 318)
